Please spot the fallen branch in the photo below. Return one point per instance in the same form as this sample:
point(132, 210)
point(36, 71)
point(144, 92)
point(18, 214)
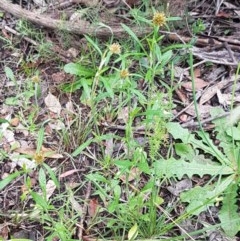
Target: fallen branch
point(80, 27)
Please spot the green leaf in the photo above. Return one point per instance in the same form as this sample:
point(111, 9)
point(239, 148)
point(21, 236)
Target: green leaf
point(4, 121)
point(8, 179)
point(205, 144)
point(40, 200)
point(93, 44)
point(52, 175)
point(40, 138)
point(79, 70)
point(179, 168)
point(178, 132)
point(82, 147)
point(165, 58)
point(228, 215)
point(200, 198)
point(133, 35)
point(42, 181)
point(133, 232)
point(9, 73)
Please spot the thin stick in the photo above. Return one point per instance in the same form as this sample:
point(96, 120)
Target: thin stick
point(84, 211)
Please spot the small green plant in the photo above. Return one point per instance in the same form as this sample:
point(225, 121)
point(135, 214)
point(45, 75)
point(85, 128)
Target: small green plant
point(198, 26)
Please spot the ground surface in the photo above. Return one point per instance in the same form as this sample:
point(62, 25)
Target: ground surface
point(66, 162)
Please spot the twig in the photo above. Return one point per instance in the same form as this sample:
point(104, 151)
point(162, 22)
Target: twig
point(84, 211)
point(18, 34)
point(196, 123)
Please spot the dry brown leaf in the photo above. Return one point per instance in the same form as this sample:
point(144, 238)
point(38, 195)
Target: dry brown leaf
point(15, 121)
point(199, 84)
point(47, 152)
point(68, 173)
point(123, 114)
point(53, 103)
point(182, 96)
point(59, 77)
point(93, 207)
point(109, 147)
point(204, 110)
point(211, 91)
point(133, 174)
point(197, 72)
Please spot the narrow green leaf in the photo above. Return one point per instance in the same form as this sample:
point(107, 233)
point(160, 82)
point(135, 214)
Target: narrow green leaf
point(82, 147)
point(93, 44)
point(8, 179)
point(52, 175)
point(133, 35)
point(3, 121)
point(39, 200)
point(42, 180)
point(40, 139)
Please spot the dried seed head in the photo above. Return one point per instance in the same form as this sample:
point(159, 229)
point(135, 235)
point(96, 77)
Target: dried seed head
point(115, 48)
point(124, 73)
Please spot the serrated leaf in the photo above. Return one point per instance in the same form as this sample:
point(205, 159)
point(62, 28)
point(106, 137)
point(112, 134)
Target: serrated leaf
point(178, 132)
point(200, 198)
point(179, 168)
point(133, 232)
point(205, 144)
point(228, 215)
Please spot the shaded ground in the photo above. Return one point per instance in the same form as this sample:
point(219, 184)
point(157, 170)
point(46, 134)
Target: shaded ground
point(36, 59)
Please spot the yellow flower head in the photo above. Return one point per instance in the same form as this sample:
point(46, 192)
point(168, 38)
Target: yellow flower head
point(115, 48)
point(159, 19)
point(124, 73)
point(39, 157)
point(35, 79)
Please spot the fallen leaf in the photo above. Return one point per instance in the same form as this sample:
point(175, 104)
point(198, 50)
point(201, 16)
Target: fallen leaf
point(182, 96)
point(22, 161)
point(15, 121)
point(56, 125)
point(53, 103)
point(203, 110)
point(68, 173)
point(59, 77)
point(50, 187)
point(93, 207)
point(133, 174)
point(123, 114)
point(199, 84)
point(109, 147)
point(211, 91)
point(47, 152)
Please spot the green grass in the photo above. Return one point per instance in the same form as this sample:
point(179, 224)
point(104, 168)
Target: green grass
point(121, 126)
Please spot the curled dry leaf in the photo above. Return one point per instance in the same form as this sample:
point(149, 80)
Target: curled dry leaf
point(93, 207)
point(199, 84)
point(53, 103)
